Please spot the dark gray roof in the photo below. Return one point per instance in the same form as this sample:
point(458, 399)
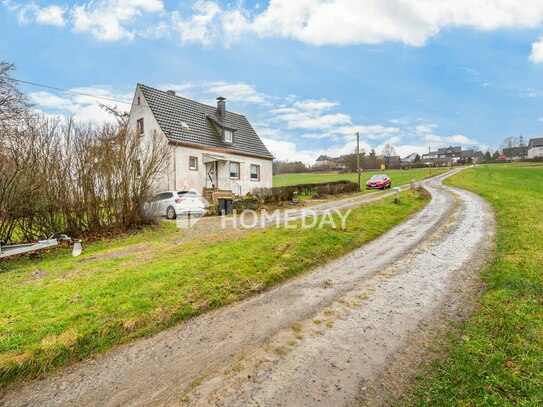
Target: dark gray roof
point(325, 158)
point(455, 150)
point(535, 142)
point(467, 153)
point(186, 121)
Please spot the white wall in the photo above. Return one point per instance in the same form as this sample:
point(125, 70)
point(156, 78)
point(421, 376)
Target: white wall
point(142, 111)
point(189, 179)
point(535, 152)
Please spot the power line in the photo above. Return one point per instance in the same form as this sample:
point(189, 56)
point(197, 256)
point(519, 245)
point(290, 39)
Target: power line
point(66, 90)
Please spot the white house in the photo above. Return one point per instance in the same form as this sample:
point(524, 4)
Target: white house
point(213, 151)
point(325, 161)
point(535, 147)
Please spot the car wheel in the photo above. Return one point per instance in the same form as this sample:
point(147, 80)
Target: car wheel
point(390, 185)
point(170, 213)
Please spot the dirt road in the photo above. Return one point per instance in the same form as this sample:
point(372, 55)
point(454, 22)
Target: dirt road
point(328, 337)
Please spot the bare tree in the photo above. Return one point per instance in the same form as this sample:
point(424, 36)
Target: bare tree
point(13, 103)
point(389, 151)
point(508, 144)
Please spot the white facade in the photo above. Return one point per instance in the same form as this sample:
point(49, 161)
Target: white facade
point(535, 152)
point(212, 167)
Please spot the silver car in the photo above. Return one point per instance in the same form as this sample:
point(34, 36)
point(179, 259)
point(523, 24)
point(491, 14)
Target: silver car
point(172, 204)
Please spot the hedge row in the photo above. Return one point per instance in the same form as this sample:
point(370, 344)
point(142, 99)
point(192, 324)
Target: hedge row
point(286, 193)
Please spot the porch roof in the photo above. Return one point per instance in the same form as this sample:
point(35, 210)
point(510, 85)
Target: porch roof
point(208, 158)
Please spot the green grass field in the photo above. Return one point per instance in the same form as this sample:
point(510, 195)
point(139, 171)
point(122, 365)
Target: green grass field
point(63, 309)
point(398, 177)
point(496, 358)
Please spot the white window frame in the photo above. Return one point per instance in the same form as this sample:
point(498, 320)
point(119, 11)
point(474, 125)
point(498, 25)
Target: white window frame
point(195, 166)
point(257, 166)
point(231, 133)
point(230, 169)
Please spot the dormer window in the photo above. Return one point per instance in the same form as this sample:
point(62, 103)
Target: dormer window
point(228, 136)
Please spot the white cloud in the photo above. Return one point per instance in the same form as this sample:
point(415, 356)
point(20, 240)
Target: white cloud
point(31, 12)
point(310, 114)
point(51, 15)
point(288, 151)
point(314, 122)
point(342, 22)
point(378, 131)
point(537, 52)
point(237, 92)
point(316, 22)
point(107, 19)
point(81, 107)
point(319, 105)
point(425, 128)
point(461, 139)
point(201, 26)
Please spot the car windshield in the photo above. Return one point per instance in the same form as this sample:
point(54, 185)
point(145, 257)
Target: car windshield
point(378, 177)
point(186, 194)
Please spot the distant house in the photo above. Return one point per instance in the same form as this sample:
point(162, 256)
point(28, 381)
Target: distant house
point(444, 156)
point(393, 161)
point(410, 158)
point(535, 147)
point(452, 155)
point(516, 153)
point(472, 155)
point(326, 161)
point(212, 149)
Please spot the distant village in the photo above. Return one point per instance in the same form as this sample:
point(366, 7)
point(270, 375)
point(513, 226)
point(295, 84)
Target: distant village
point(513, 149)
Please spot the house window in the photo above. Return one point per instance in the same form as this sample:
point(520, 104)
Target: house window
point(234, 170)
point(193, 163)
point(255, 172)
point(228, 136)
point(138, 100)
point(139, 128)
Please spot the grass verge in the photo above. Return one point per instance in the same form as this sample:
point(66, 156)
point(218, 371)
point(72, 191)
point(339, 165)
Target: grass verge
point(398, 177)
point(496, 357)
point(63, 309)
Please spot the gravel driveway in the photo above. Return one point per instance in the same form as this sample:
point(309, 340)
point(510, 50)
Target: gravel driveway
point(327, 337)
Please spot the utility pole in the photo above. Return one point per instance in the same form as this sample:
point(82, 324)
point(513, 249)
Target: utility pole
point(429, 160)
point(358, 158)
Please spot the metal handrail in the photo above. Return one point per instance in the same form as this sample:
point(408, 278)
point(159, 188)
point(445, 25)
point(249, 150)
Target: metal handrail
point(231, 184)
point(237, 185)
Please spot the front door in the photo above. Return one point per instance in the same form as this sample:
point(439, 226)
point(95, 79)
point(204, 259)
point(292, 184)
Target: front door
point(211, 174)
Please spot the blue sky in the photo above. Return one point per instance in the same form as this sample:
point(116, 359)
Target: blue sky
point(307, 73)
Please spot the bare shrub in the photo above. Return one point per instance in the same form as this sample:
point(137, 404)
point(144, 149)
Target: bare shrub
point(79, 178)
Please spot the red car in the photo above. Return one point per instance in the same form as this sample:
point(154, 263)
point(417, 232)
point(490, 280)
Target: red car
point(380, 181)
